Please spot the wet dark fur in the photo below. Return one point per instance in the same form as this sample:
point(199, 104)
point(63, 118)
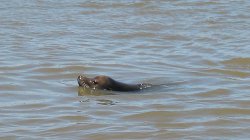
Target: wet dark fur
point(107, 83)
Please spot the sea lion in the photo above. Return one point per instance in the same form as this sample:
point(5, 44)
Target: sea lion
point(106, 83)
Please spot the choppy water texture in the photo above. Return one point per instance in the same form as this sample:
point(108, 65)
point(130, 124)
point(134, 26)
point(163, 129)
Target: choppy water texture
point(199, 49)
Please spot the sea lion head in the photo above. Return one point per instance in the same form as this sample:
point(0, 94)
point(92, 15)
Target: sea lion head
point(98, 82)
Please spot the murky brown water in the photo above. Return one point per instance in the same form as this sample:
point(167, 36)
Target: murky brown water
point(199, 49)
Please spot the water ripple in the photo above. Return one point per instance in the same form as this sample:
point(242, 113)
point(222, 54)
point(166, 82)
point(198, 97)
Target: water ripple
point(195, 52)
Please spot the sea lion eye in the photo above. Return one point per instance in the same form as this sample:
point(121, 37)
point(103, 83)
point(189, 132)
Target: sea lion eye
point(95, 82)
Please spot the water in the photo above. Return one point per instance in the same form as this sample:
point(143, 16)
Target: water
point(199, 49)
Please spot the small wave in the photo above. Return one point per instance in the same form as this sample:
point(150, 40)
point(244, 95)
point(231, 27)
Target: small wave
point(234, 73)
point(214, 93)
point(237, 63)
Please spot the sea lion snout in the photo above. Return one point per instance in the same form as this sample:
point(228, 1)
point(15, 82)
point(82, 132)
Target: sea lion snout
point(80, 77)
point(83, 81)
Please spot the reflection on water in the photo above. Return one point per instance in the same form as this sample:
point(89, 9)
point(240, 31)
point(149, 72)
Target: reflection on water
point(196, 51)
point(82, 91)
point(106, 102)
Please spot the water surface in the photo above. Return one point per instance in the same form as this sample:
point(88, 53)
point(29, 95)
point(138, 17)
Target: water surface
point(199, 49)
